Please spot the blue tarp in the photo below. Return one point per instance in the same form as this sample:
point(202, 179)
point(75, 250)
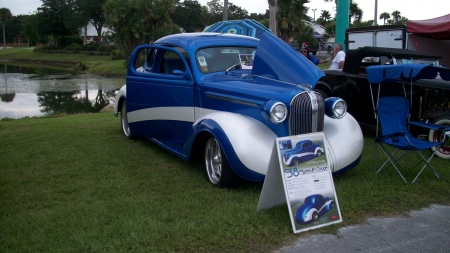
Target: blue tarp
point(247, 27)
point(406, 72)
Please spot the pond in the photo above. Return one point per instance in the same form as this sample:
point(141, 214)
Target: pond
point(27, 91)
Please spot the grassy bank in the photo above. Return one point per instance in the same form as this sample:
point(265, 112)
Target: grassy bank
point(90, 190)
point(96, 64)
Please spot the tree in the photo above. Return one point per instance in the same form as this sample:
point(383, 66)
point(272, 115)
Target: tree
point(59, 18)
point(236, 12)
point(139, 21)
point(188, 15)
point(214, 12)
point(355, 12)
point(325, 15)
point(385, 16)
point(92, 11)
point(5, 14)
point(396, 16)
point(290, 18)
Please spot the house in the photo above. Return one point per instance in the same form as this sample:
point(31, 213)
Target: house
point(92, 35)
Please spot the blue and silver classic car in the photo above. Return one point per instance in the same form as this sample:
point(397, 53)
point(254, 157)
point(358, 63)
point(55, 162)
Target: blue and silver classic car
point(304, 151)
point(229, 97)
point(314, 206)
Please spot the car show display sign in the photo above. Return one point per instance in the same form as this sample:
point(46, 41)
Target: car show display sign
point(299, 175)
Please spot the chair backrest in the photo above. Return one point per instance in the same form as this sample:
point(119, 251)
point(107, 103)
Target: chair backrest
point(393, 113)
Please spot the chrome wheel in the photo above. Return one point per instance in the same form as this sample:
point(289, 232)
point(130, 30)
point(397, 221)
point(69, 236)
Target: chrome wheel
point(437, 136)
point(124, 120)
point(213, 161)
point(217, 169)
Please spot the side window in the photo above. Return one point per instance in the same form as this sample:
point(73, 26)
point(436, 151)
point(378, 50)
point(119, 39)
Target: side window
point(139, 64)
point(151, 58)
point(170, 62)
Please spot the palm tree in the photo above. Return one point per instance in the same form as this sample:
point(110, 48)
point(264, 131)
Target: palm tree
point(385, 16)
point(5, 14)
point(325, 15)
point(396, 16)
point(355, 12)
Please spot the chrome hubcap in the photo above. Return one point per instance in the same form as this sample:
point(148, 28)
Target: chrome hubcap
point(125, 127)
point(213, 160)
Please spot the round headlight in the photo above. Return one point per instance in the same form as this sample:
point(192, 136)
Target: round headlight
point(335, 107)
point(339, 109)
point(278, 113)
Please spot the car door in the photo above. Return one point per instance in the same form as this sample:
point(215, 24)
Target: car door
point(160, 94)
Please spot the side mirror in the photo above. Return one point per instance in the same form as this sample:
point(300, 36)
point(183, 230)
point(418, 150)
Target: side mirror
point(178, 72)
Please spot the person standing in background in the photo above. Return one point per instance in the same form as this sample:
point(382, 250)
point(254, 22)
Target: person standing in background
point(304, 50)
point(339, 57)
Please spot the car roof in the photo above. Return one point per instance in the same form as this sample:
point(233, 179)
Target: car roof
point(194, 41)
point(354, 57)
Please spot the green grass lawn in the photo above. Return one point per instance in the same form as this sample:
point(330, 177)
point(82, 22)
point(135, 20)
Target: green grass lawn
point(100, 65)
point(75, 184)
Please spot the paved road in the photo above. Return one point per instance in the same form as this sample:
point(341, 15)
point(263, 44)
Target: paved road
point(426, 230)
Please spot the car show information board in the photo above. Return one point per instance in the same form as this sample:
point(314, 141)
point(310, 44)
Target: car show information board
point(305, 181)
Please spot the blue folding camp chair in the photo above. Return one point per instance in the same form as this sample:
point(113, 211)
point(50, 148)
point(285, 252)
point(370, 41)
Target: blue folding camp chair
point(392, 113)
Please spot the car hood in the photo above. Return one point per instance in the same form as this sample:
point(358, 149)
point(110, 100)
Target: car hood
point(276, 59)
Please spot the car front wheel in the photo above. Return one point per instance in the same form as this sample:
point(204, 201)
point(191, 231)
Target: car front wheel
point(124, 121)
point(437, 136)
point(217, 169)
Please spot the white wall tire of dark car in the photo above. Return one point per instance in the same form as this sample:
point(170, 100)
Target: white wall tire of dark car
point(216, 166)
point(444, 150)
point(124, 121)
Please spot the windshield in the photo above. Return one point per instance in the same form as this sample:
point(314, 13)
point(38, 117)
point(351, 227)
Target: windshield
point(214, 59)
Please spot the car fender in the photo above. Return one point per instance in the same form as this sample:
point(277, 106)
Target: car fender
point(121, 95)
point(317, 150)
point(346, 142)
point(251, 141)
point(309, 214)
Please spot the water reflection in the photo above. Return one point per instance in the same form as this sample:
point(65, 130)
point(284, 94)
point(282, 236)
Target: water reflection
point(25, 91)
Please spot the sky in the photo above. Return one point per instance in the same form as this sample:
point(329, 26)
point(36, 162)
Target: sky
point(413, 10)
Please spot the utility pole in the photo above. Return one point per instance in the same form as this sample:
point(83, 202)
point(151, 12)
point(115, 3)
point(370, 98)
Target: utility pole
point(376, 10)
point(314, 10)
point(225, 10)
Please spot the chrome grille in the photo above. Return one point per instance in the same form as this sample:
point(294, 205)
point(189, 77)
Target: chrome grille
point(306, 114)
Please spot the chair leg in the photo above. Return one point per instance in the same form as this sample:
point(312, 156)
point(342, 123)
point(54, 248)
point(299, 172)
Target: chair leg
point(392, 160)
point(427, 162)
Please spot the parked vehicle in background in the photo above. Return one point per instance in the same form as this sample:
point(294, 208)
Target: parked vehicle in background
point(229, 97)
point(430, 98)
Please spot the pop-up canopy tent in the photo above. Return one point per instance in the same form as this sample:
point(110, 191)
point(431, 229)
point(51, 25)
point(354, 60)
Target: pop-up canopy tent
point(430, 36)
point(436, 28)
point(247, 27)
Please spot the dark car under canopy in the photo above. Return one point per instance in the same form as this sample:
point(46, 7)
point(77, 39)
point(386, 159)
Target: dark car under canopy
point(354, 58)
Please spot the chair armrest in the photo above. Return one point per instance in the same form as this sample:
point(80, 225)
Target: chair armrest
point(384, 137)
point(435, 127)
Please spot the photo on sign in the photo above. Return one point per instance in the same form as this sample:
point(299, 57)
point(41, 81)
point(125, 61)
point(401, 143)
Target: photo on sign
point(308, 181)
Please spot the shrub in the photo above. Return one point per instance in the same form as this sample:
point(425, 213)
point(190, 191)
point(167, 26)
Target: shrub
point(117, 55)
point(38, 49)
point(70, 40)
point(74, 47)
point(106, 48)
point(93, 46)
